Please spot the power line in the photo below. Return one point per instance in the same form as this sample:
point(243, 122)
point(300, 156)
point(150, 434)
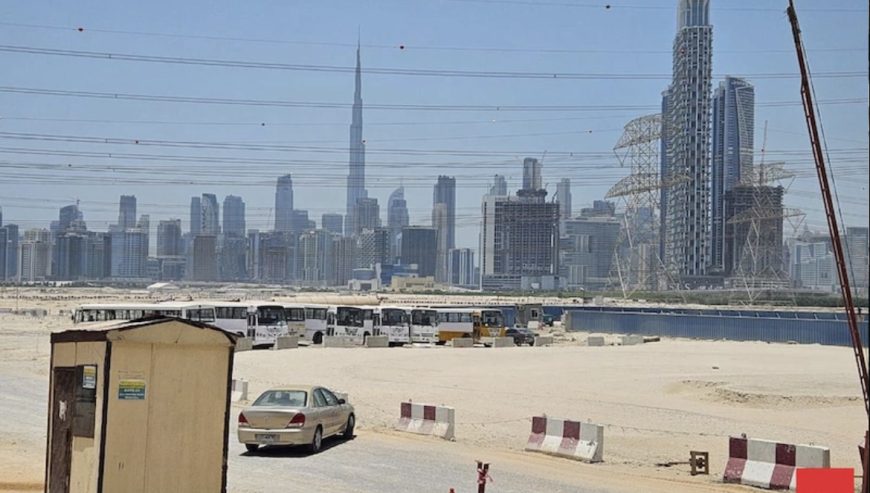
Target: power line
point(402, 46)
point(392, 71)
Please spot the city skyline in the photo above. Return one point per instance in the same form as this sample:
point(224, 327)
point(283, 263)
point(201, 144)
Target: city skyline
point(319, 179)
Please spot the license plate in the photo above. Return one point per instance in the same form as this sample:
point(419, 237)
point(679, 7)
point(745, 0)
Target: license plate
point(266, 437)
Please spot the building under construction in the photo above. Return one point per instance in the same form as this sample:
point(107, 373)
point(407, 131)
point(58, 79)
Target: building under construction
point(520, 241)
point(753, 246)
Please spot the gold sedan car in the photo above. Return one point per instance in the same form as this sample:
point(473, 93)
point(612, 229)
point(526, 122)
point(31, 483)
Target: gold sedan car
point(295, 415)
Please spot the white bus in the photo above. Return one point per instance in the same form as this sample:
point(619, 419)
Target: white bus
point(315, 323)
point(357, 322)
point(424, 325)
point(199, 312)
point(295, 316)
point(261, 321)
point(395, 324)
point(455, 323)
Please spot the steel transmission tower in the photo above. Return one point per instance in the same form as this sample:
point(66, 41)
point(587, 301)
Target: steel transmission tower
point(636, 263)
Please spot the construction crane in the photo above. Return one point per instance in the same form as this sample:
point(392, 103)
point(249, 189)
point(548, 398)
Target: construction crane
point(833, 229)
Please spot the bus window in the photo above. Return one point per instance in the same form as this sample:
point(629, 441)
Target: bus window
point(295, 314)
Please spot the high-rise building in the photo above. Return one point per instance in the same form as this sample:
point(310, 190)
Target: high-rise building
point(334, 223)
point(373, 247)
point(812, 265)
point(445, 193)
point(72, 256)
point(519, 239)
point(68, 218)
point(440, 223)
point(234, 217)
point(857, 255)
point(460, 267)
point(356, 178)
point(299, 222)
point(169, 239)
point(563, 197)
point(732, 151)
point(205, 266)
point(210, 215)
point(343, 259)
point(233, 258)
point(532, 179)
point(4, 251)
point(195, 216)
point(397, 218)
point(35, 258)
point(284, 204)
point(315, 250)
point(11, 247)
point(686, 131)
point(127, 212)
point(365, 215)
point(587, 247)
point(128, 253)
point(600, 208)
point(499, 186)
point(418, 247)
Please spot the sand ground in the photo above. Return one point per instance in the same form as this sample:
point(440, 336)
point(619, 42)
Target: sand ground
point(658, 401)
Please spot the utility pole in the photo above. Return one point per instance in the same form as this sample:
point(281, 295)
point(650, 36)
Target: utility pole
point(834, 230)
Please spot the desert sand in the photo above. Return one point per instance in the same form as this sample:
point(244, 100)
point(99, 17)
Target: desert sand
point(658, 400)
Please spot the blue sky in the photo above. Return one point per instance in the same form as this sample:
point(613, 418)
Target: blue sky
point(752, 38)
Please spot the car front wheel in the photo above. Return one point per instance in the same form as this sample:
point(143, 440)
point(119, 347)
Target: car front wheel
point(317, 441)
point(252, 447)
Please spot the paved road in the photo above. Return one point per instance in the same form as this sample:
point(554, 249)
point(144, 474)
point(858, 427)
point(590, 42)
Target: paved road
point(386, 463)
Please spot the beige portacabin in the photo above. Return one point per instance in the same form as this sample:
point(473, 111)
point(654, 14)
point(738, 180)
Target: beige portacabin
point(127, 400)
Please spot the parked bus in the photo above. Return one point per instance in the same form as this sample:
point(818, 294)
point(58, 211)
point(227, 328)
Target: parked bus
point(130, 311)
point(315, 323)
point(424, 325)
point(357, 322)
point(395, 324)
point(295, 315)
point(266, 321)
point(455, 323)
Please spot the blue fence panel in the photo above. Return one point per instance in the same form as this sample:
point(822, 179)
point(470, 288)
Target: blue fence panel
point(748, 327)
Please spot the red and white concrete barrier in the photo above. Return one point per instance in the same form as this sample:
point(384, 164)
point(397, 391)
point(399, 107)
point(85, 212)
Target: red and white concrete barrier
point(565, 438)
point(769, 464)
point(426, 419)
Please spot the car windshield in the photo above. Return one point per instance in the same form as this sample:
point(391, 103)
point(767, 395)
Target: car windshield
point(282, 398)
point(352, 317)
point(393, 317)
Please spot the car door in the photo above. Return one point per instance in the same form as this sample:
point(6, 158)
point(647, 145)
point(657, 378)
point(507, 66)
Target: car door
point(338, 410)
point(326, 413)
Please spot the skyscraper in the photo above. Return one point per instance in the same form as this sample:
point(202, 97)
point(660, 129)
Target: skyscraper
point(11, 250)
point(127, 212)
point(563, 197)
point(532, 174)
point(445, 193)
point(366, 214)
point(284, 204)
point(332, 223)
point(195, 216)
point(733, 146)
point(356, 178)
point(36, 255)
point(460, 267)
point(234, 217)
point(686, 129)
point(418, 247)
point(315, 251)
point(210, 214)
point(205, 258)
point(499, 186)
point(169, 241)
point(397, 218)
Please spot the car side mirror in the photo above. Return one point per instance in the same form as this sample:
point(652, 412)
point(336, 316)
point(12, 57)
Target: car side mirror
point(342, 401)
